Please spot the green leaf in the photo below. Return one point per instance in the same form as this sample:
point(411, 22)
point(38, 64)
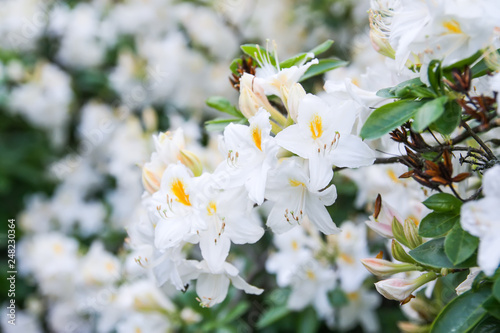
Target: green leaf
point(323, 47)
point(443, 202)
point(295, 60)
point(437, 224)
point(435, 75)
point(338, 297)
point(462, 63)
point(299, 58)
point(496, 288)
point(391, 91)
point(234, 65)
point(459, 244)
point(481, 68)
point(388, 117)
point(428, 113)
point(308, 321)
point(218, 125)
point(488, 324)
point(223, 105)
point(432, 254)
point(492, 305)
point(449, 120)
point(272, 315)
point(323, 66)
point(462, 313)
point(258, 52)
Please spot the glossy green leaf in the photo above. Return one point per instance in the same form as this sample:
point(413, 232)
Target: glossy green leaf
point(492, 305)
point(432, 254)
point(223, 105)
point(387, 117)
point(258, 53)
point(488, 324)
point(323, 47)
point(234, 65)
point(481, 68)
point(391, 91)
point(218, 125)
point(462, 63)
point(437, 224)
point(449, 120)
point(462, 313)
point(272, 315)
point(299, 58)
point(435, 74)
point(496, 288)
point(459, 244)
point(443, 202)
point(323, 66)
point(308, 321)
point(428, 113)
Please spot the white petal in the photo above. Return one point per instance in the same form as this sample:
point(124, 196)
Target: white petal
point(244, 231)
point(352, 152)
point(212, 288)
point(241, 284)
point(292, 140)
point(319, 216)
point(277, 221)
point(214, 252)
point(170, 232)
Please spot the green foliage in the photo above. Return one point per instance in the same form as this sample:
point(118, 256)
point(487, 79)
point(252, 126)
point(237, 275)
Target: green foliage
point(462, 313)
point(388, 117)
point(432, 254)
point(449, 120)
point(459, 245)
point(435, 76)
point(437, 224)
point(301, 57)
point(218, 125)
point(323, 66)
point(496, 288)
point(492, 305)
point(443, 202)
point(396, 91)
point(223, 105)
point(428, 113)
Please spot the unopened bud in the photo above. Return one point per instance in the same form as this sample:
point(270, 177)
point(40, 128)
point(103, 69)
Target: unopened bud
point(381, 221)
point(295, 95)
point(381, 267)
point(408, 327)
point(190, 160)
point(398, 232)
point(381, 44)
point(152, 173)
point(399, 253)
point(401, 289)
point(411, 233)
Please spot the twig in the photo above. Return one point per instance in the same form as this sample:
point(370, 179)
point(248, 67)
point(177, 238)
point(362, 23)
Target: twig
point(478, 140)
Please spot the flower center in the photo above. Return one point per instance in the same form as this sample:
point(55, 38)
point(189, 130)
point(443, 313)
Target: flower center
point(257, 137)
point(316, 126)
point(452, 26)
point(211, 208)
point(179, 191)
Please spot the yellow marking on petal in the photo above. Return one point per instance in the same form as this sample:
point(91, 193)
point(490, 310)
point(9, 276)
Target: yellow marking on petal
point(138, 330)
point(310, 275)
point(110, 267)
point(393, 176)
point(257, 137)
point(295, 245)
point(353, 296)
point(211, 208)
point(57, 248)
point(414, 220)
point(179, 191)
point(452, 26)
point(296, 183)
point(347, 258)
point(316, 126)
